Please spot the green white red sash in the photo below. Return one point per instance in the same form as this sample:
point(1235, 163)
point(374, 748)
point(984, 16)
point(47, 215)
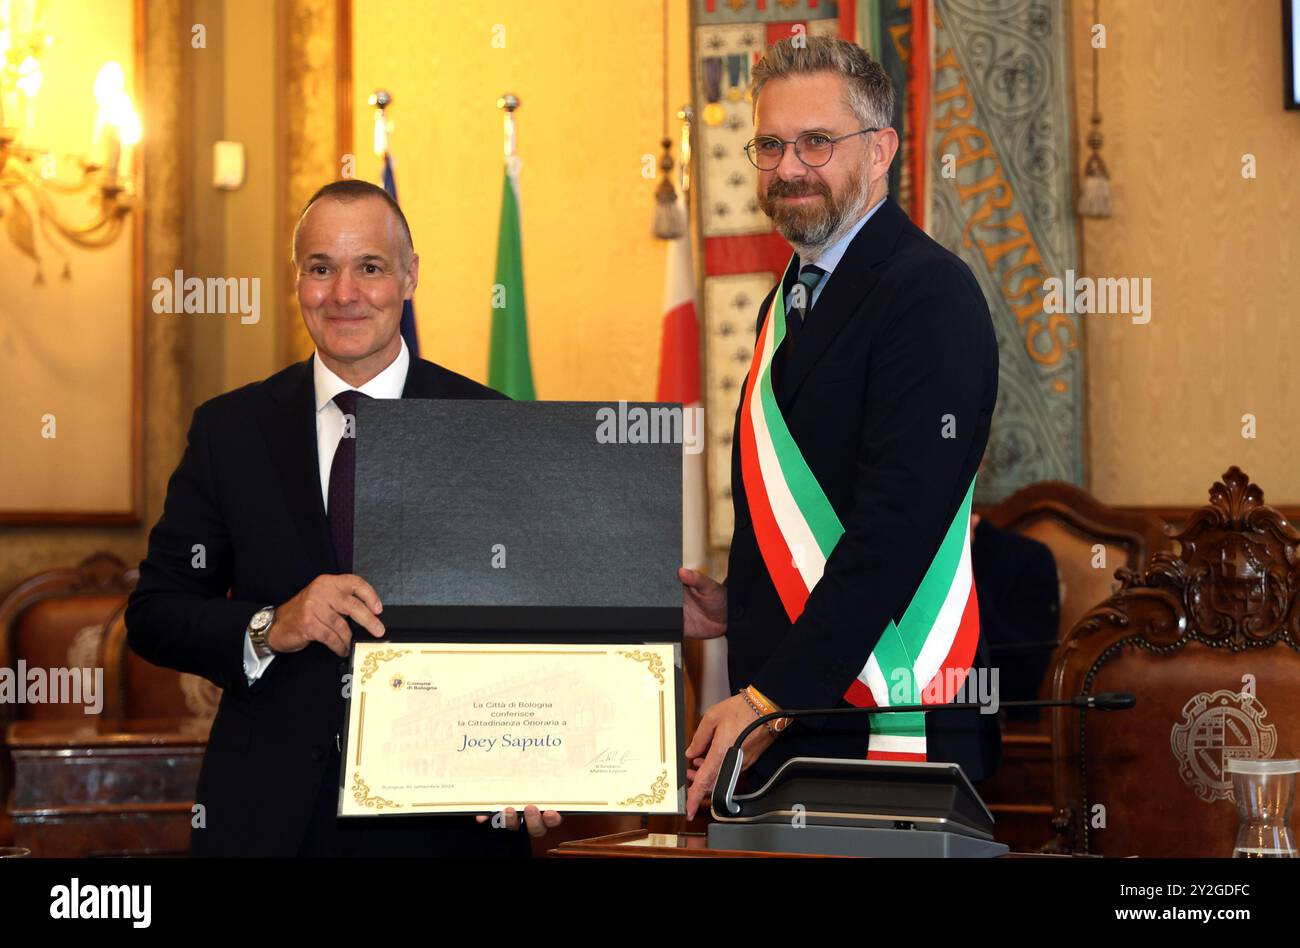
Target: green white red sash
point(923, 658)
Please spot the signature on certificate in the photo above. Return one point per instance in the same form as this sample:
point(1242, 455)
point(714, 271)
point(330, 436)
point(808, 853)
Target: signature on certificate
point(610, 759)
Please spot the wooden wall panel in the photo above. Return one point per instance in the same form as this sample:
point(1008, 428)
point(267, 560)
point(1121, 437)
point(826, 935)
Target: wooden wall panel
point(1187, 88)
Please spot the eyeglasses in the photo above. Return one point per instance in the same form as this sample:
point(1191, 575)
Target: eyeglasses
point(814, 149)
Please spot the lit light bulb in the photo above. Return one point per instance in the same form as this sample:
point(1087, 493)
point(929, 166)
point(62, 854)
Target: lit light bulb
point(29, 77)
point(117, 123)
point(119, 112)
point(110, 82)
point(115, 106)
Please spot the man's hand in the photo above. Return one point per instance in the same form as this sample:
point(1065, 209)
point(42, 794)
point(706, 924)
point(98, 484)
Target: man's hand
point(319, 613)
point(704, 605)
point(536, 821)
point(716, 734)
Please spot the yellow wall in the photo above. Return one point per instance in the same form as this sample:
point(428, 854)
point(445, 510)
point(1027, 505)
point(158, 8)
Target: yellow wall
point(234, 233)
point(66, 344)
point(1187, 88)
point(25, 550)
point(589, 77)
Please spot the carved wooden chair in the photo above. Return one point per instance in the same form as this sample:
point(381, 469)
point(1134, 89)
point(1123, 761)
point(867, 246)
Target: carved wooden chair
point(131, 790)
point(1208, 639)
point(1076, 527)
point(1089, 541)
point(56, 620)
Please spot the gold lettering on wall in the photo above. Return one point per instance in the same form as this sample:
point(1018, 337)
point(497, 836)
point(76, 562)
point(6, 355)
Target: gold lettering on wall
point(1003, 239)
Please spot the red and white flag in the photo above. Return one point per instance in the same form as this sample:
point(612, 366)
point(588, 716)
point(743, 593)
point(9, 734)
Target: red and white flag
point(680, 381)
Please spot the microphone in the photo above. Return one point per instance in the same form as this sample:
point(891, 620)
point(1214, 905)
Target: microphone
point(724, 787)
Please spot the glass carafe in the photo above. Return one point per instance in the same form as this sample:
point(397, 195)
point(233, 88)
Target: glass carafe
point(1264, 790)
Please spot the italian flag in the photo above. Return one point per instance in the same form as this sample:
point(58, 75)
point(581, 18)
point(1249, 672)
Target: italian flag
point(923, 658)
point(510, 370)
point(679, 381)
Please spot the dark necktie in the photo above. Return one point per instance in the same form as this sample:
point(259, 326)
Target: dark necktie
point(797, 305)
point(342, 489)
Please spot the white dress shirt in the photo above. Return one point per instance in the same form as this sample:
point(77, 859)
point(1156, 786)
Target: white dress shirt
point(329, 431)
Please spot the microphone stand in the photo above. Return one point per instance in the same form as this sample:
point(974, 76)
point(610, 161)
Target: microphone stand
point(724, 787)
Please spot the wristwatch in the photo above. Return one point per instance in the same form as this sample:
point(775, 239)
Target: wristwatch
point(259, 627)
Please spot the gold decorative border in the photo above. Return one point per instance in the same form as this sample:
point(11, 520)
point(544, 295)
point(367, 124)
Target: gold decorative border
point(371, 664)
point(654, 662)
point(499, 651)
point(663, 737)
point(361, 793)
point(361, 727)
point(657, 794)
point(495, 805)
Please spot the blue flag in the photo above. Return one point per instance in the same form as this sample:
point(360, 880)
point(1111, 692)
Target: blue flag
point(408, 308)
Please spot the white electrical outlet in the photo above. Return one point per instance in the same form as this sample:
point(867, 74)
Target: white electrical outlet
point(227, 165)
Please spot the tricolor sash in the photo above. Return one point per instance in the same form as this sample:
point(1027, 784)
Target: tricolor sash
point(923, 658)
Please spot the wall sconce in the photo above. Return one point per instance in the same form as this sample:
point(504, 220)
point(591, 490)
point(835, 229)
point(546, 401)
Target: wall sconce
point(30, 177)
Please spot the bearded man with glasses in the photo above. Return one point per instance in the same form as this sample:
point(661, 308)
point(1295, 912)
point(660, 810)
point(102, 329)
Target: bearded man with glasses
point(860, 429)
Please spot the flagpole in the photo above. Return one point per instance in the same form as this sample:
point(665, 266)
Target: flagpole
point(687, 115)
point(509, 103)
point(669, 221)
point(381, 99)
point(509, 364)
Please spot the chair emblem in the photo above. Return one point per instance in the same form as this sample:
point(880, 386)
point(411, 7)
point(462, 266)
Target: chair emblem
point(1217, 728)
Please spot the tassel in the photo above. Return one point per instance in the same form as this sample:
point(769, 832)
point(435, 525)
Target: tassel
point(1094, 195)
point(670, 219)
point(1094, 198)
point(1094, 192)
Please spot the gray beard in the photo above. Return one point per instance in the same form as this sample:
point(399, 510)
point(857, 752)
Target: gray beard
point(812, 242)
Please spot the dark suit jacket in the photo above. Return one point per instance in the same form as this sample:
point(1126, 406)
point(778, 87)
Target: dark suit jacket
point(1020, 610)
point(248, 490)
point(899, 338)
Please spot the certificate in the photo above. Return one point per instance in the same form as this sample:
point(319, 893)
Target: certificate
point(471, 728)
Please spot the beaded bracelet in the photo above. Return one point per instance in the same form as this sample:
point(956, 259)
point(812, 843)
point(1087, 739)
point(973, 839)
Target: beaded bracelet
point(752, 698)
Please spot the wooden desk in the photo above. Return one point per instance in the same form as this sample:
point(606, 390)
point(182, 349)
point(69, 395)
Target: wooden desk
point(81, 789)
point(643, 844)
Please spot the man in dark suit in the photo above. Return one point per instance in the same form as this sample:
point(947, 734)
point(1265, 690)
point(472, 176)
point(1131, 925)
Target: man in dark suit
point(883, 368)
point(248, 579)
point(1020, 610)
